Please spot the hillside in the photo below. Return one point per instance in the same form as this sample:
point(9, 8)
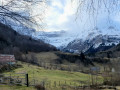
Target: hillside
point(93, 45)
point(113, 52)
point(11, 42)
point(53, 79)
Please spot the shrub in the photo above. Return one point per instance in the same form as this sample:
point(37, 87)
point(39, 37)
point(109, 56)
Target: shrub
point(40, 87)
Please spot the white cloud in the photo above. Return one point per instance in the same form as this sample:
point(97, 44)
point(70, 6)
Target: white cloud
point(61, 14)
point(57, 3)
point(58, 14)
point(68, 11)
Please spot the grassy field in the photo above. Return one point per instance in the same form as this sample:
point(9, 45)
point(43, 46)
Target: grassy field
point(43, 56)
point(54, 78)
point(6, 87)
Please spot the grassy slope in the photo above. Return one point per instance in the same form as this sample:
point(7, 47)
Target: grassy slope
point(46, 56)
point(41, 74)
point(6, 87)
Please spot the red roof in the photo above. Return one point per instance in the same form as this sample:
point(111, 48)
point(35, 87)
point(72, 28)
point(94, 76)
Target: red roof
point(7, 58)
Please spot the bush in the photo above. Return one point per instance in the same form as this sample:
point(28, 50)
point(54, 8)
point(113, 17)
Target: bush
point(40, 87)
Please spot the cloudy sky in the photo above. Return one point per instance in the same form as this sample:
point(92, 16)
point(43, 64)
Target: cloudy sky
point(61, 15)
point(57, 14)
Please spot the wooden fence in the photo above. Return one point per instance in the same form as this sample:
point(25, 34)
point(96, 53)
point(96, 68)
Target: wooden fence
point(14, 79)
point(23, 79)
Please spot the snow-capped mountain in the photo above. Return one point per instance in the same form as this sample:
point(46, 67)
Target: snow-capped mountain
point(88, 41)
point(74, 41)
point(56, 38)
point(98, 43)
point(96, 40)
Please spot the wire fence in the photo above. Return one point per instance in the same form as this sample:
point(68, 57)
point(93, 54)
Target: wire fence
point(67, 85)
point(23, 79)
point(13, 79)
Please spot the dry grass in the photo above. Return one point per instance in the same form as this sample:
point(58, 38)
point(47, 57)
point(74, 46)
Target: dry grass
point(47, 56)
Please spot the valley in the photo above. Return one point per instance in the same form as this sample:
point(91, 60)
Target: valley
point(48, 72)
point(51, 68)
point(59, 45)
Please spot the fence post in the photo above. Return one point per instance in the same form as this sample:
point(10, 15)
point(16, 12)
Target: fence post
point(55, 83)
point(59, 83)
point(27, 80)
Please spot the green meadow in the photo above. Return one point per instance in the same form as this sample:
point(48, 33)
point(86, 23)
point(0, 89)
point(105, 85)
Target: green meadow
point(52, 78)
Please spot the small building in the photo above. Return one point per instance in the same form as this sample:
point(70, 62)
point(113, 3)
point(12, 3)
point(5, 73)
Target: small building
point(7, 59)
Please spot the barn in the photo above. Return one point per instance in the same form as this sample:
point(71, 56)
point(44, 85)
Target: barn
point(7, 59)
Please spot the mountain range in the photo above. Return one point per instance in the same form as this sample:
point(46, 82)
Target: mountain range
point(89, 41)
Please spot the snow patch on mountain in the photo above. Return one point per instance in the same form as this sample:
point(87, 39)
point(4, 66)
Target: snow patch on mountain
point(56, 38)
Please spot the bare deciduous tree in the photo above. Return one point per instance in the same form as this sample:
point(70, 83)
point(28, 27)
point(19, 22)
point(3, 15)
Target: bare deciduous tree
point(19, 11)
point(94, 6)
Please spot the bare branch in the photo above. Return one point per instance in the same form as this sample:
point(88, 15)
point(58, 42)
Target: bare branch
point(16, 9)
point(93, 6)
